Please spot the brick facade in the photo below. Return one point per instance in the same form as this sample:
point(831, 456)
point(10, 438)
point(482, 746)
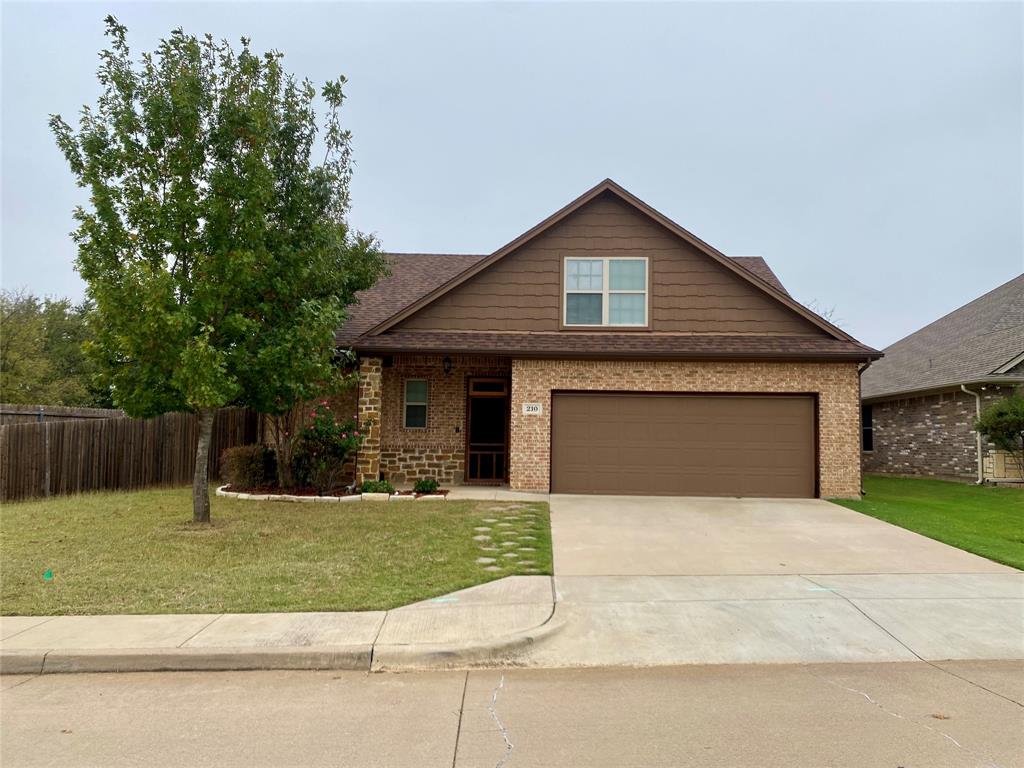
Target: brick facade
point(404, 455)
point(439, 450)
point(836, 384)
point(933, 436)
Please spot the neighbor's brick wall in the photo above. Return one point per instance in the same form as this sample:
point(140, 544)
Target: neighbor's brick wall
point(932, 436)
point(439, 450)
point(836, 384)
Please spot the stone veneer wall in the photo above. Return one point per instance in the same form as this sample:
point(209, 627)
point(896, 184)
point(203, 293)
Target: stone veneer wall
point(837, 386)
point(932, 436)
point(439, 450)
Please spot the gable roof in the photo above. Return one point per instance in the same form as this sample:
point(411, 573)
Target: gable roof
point(981, 341)
point(414, 275)
point(610, 187)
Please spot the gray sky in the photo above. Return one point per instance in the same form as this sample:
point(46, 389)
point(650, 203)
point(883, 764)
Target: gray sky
point(871, 152)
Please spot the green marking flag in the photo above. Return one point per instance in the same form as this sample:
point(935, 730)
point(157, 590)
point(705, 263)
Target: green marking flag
point(48, 575)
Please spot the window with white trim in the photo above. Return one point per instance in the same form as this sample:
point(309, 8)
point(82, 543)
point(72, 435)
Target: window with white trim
point(415, 403)
point(605, 291)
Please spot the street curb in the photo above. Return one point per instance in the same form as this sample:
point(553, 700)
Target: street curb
point(185, 659)
point(21, 662)
point(503, 652)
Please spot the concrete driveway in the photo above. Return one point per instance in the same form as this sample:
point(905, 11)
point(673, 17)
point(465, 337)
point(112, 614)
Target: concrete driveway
point(662, 581)
point(665, 536)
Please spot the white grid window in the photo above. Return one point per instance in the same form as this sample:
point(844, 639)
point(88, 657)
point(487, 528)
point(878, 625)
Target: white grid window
point(607, 291)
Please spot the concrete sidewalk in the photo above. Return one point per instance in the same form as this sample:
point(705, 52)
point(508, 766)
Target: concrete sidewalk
point(488, 624)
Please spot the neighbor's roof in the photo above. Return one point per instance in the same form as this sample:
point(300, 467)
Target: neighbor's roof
point(981, 341)
point(414, 275)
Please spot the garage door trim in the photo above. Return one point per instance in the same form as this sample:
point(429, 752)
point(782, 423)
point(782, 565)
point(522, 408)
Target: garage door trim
point(685, 393)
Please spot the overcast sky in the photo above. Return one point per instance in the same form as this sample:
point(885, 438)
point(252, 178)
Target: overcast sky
point(871, 152)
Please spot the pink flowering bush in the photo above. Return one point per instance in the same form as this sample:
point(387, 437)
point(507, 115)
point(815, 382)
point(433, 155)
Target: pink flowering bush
point(324, 445)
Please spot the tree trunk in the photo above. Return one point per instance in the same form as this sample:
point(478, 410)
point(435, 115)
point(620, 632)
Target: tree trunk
point(201, 479)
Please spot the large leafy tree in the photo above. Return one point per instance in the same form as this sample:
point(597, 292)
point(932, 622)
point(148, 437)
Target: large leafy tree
point(215, 247)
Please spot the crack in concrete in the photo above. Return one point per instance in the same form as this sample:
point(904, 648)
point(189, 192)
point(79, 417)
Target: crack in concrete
point(458, 728)
point(492, 708)
point(892, 713)
point(918, 656)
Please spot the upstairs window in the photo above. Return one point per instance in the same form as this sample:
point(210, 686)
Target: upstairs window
point(416, 403)
point(605, 292)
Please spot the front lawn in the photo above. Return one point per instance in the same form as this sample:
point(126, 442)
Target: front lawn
point(980, 519)
point(139, 553)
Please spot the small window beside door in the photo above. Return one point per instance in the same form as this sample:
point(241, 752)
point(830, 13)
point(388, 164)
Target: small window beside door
point(415, 403)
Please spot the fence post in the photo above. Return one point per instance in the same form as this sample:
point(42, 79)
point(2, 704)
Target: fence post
point(46, 450)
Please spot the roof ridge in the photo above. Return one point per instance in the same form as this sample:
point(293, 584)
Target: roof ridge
point(961, 308)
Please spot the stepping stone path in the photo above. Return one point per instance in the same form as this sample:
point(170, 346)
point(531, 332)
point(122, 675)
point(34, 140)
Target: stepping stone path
point(504, 540)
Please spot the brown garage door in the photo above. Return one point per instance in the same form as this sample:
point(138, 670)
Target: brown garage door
point(683, 445)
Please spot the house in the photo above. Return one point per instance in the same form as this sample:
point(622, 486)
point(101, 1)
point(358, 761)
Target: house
point(606, 350)
point(921, 400)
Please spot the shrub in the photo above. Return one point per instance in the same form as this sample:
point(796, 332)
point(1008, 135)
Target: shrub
point(248, 466)
point(324, 445)
point(427, 485)
point(1003, 424)
point(377, 486)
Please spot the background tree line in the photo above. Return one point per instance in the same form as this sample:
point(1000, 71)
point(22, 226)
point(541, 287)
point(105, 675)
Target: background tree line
point(42, 352)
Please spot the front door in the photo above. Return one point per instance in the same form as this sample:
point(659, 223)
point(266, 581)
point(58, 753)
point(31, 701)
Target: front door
point(487, 430)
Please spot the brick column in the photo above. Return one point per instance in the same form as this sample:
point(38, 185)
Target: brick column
point(369, 413)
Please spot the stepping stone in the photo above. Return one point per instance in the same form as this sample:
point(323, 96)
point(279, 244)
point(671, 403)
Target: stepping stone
point(500, 525)
point(510, 554)
point(492, 567)
point(527, 562)
point(482, 529)
point(528, 538)
point(488, 549)
point(531, 570)
point(508, 544)
point(486, 560)
point(527, 549)
point(490, 519)
point(482, 537)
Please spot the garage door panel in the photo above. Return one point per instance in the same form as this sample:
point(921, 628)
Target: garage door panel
point(730, 445)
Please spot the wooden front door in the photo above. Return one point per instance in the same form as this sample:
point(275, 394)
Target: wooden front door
point(487, 426)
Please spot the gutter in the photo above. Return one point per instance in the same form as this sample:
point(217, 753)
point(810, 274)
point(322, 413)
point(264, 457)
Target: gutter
point(977, 434)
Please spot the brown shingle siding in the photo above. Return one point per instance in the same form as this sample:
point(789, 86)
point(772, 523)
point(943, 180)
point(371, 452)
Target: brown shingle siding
point(690, 292)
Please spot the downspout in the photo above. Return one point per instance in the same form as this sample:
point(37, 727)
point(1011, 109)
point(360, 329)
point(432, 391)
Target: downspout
point(977, 434)
point(860, 419)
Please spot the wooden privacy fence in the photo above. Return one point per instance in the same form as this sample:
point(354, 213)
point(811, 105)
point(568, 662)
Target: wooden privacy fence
point(61, 457)
point(11, 413)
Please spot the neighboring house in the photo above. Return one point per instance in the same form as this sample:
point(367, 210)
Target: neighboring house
point(918, 418)
point(606, 350)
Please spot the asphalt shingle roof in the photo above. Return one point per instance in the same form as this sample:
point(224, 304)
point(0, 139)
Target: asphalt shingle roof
point(968, 344)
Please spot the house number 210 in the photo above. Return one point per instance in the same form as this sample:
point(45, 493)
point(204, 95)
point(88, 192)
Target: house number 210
point(530, 409)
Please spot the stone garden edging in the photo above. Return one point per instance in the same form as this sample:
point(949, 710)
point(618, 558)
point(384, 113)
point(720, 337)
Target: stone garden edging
point(221, 491)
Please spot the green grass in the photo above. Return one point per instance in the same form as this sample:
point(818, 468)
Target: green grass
point(980, 519)
point(139, 553)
